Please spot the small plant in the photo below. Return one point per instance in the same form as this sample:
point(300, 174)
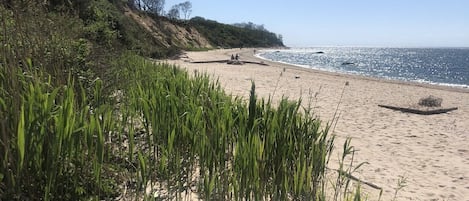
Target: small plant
point(430, 101)
point(401, 183)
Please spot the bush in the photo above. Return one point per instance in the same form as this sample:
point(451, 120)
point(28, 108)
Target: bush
point(430, 101)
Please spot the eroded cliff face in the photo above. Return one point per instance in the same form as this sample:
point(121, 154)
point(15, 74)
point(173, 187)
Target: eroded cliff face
point(170, 34)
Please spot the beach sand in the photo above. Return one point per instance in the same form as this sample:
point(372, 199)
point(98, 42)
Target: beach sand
point(431, 152)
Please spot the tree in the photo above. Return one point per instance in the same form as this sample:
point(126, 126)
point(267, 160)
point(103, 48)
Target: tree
point(181, 8)
point(280, 37)
point(186, 9)
point(173, 13)
point(131, 3)
point(154, 6)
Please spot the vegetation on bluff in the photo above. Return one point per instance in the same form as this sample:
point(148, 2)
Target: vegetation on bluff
point(231, 36)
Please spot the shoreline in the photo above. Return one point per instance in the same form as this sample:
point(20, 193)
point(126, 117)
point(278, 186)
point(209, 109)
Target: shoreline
point(456, 88)
point(432, 151)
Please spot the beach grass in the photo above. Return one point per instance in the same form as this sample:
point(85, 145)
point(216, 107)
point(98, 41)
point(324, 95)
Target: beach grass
point(169, 130)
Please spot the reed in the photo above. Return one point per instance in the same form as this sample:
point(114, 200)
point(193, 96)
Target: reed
point(183, 134)
point(232, 149)
point(52, 134)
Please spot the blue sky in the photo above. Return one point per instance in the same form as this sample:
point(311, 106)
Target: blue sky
point(409, 23)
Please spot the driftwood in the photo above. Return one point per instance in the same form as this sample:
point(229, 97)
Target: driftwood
point(212, 61)
point(417, 111)
point(254, 62)
point(227, 61)
point(346, 174)
point(359, 180)
point(235, 62)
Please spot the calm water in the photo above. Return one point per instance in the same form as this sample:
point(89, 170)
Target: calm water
point(443, 66)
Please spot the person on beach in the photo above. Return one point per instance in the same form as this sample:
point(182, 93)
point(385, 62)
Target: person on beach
point(237, 57)
point(232, 57)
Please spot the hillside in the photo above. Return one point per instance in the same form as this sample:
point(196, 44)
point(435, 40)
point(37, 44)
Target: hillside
point(169, 34)
point(159, 36)
point(200, 33)
point(114, 26)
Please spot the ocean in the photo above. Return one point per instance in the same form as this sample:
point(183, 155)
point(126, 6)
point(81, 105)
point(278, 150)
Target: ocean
point(440, 66)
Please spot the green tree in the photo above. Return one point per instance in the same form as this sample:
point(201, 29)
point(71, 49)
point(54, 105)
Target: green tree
point(154, 6)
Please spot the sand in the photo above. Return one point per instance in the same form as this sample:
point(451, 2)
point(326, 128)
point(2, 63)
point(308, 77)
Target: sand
point(431, 152)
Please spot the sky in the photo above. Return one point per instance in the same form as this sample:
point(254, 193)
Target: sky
point(384, 23)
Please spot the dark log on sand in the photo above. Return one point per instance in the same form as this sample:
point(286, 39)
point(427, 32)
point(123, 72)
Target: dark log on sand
point(417, 111)
point(230, 62)
point(254, 62)
point(213, 61)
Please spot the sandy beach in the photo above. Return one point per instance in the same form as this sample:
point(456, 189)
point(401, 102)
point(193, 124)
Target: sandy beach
point(430, 151)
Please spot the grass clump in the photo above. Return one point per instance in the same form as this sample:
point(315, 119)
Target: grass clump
point(200, 140)
point(430, 101)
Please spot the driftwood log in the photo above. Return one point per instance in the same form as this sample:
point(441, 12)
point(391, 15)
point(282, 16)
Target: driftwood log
point(346, 174)
point(417, 111)
point(227, 61)
point(211, 61)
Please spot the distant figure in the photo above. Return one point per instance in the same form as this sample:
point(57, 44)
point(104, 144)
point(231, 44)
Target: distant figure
point(232, 57)
point(237, 56)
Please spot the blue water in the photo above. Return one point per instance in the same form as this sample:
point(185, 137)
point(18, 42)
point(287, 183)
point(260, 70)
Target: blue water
point(442, 66)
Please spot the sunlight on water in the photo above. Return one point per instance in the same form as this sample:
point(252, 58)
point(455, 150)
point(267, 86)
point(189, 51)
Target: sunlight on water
point(443, 66)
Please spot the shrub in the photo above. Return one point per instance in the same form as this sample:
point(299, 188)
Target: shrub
point(430, 101)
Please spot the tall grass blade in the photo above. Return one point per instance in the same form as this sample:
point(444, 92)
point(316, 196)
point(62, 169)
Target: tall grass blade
point(21, 138)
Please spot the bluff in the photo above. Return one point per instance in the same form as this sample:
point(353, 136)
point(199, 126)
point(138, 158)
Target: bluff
point(116, 26)
point(200, 33)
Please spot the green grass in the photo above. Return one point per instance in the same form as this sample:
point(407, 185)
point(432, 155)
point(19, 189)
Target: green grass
point(243, 151)
point(179, 131)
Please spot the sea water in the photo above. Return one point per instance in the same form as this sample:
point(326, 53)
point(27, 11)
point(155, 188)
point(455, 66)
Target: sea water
point(442, 66)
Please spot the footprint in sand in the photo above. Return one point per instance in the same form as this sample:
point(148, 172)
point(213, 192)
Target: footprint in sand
point(458, 180)
point(430, 194)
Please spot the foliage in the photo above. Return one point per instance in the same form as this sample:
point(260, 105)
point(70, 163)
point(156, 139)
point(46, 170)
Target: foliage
point(250, 25)
point(174, 13)
point(235, 150)
point(186, 9)
point(430, 101)
point(229, 36)
point(101, 23)
point(154, 6)
point(48, 123)
point(107, 26)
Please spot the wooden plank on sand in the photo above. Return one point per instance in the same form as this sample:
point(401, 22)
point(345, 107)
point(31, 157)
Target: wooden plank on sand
point(212, 61)
point(228, 62)
point(417, 111)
